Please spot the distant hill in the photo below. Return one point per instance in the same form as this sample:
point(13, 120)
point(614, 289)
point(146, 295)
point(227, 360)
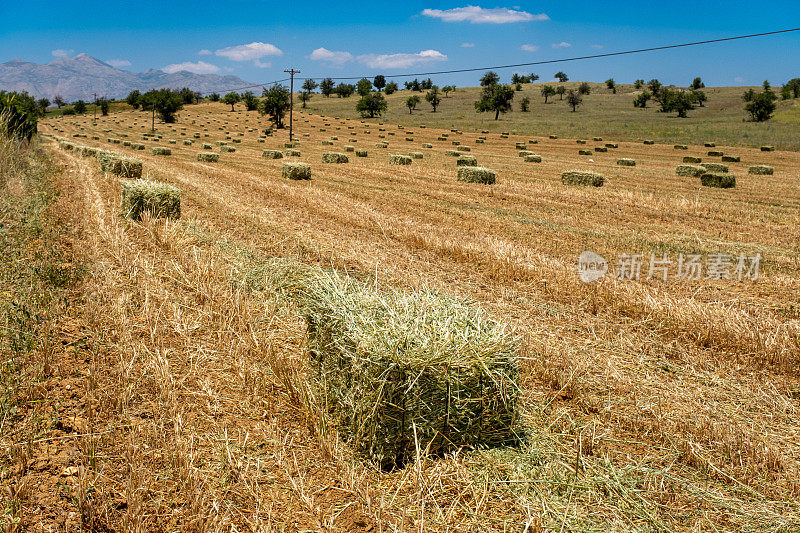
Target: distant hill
point(82, 76)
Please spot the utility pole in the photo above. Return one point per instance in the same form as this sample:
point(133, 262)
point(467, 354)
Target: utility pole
point(292, 72)
point(95, 109)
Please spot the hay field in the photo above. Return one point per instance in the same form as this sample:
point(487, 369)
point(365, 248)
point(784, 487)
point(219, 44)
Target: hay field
point(180, 394)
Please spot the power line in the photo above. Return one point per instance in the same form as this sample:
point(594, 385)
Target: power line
point(264, 85)
point(578, 58)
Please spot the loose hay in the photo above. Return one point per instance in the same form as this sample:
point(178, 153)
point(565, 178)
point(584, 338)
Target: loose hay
point(159, 199)
point(476, 175)
point(296, 171)
point(581, 177)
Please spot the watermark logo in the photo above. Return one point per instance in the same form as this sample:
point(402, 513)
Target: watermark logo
point(591, 267)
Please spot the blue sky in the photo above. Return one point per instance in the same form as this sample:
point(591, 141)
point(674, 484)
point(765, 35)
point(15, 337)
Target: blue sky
point(256, 40)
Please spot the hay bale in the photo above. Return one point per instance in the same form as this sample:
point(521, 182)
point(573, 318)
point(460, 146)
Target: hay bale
point(710, 145)
point(453, 153)
point(172, 141)
point(401, 372)
point(612, 145)
point(272, 154)
point(582, 177)
point(208, 157)
point(523, 153)
point(427, 145)
point(731, 159)
point(715, 153)
point(125, 167)
point(227, 149)
point(327, 143)
point(206, 146)
point(333, 157)
point(520, 146)
point(381, 145)
point(715, 167)
point(126, 143)
point(480, 141)
point(649, 142)
point(533, 158)
point(105, 159)
point(692, 160)
point(296, 171)
point(476, 175)
point(718, 179)
point(554, 136)
point(585, 152)
point(455, 143)
point(398, 159)
point(767, 148)
point(188, 142)
point(293, 153)
point(464, 149)
point(290, 145)
point(88, 151)
point(761, 170)
point(690, 171)
point(416, 155)
point(600, 149)
point(349, 148)
point(161, 150)
point(467, 161)
point(158, 199)
point(137, 146)
point(681, 147)
point(580, 141)
point(624, 162)
point(361, 153)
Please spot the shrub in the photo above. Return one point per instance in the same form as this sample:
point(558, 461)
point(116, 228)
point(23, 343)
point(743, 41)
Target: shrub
point(584, 88)
point(691, 171)
point(161, 150)
point(467, 161)
point(533, 158)
point(272, 154)
point(692, 159)
point(160, 200)
point(296, 171)
point(397, 159)
point(208, 157)
point(476, 175)
point(333, 157)
point(581, 177)
point(762, 170)
point(626, 162)
point(718, 179)
point(714, 167)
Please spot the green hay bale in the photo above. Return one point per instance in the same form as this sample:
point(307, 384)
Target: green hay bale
point(715, 153)
point(626, 162)
point(296, 171)
point(405, 372)
point(455, 143)
point(126, 143)
point(290, 145)
point(681, 147)
point(718, 179)
point(600, 149)
point(533, 158)
point(410, 139)
point(767, 148)
point(206, 146)
point(504, 136)
point(580, 141)
point(464, 149)
point(220, 143)
point(523, 153)
point(476, 175)
point(416, 155)
point(691, 171)
point(88, 151)
point(272, 154)
point(581, 177)
point(260, 141)
point(114, 141)
point(427, 145)
point(520, 146)
point(381, 145)
point(731, 159)
point(293, 153)
point(172, 141)
point(138, 146)
point(160, 150)
point(692, 160)
point(227, 149)
point(554, 136)
point(585, 152)
point(597, 139)
point(453, 153)
point(237, 141)
point(333, 157)
point(125, 167)
point(479, 141)
point(761, 170)
point(208, 157)
point(105, 159)
point(327, 143)
point(612, 145)
point(349, 148)
point(649, 142)
point(710, 145)
point(715, 167)
point(361, 153)
point(398, 159)
point(160, 200)
point(188, 142)
point(467, 161)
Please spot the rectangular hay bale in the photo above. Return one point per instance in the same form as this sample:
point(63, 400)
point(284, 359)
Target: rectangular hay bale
point(161, 200)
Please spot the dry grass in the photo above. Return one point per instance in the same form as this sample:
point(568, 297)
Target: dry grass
point(651, 405)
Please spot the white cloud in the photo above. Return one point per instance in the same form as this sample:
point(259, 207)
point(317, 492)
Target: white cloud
point(249, 52)
point(598, 46)
point(401, 60)
point(201, 67)
point(739, 79)
point(60, 52)
point(529, 48)
point(562, 44)
point(331, 56)
point(118, 63)
point(480, 15)
point(467, 45)
point(259, 64)
point(204, 52)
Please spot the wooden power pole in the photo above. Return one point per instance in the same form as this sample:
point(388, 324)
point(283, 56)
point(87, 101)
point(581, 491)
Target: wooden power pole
point(292, 72)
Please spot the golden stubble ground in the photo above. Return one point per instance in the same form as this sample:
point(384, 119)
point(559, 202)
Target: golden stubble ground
point(652, 404)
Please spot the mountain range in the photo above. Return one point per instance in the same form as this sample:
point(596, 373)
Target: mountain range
point(82, 76)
